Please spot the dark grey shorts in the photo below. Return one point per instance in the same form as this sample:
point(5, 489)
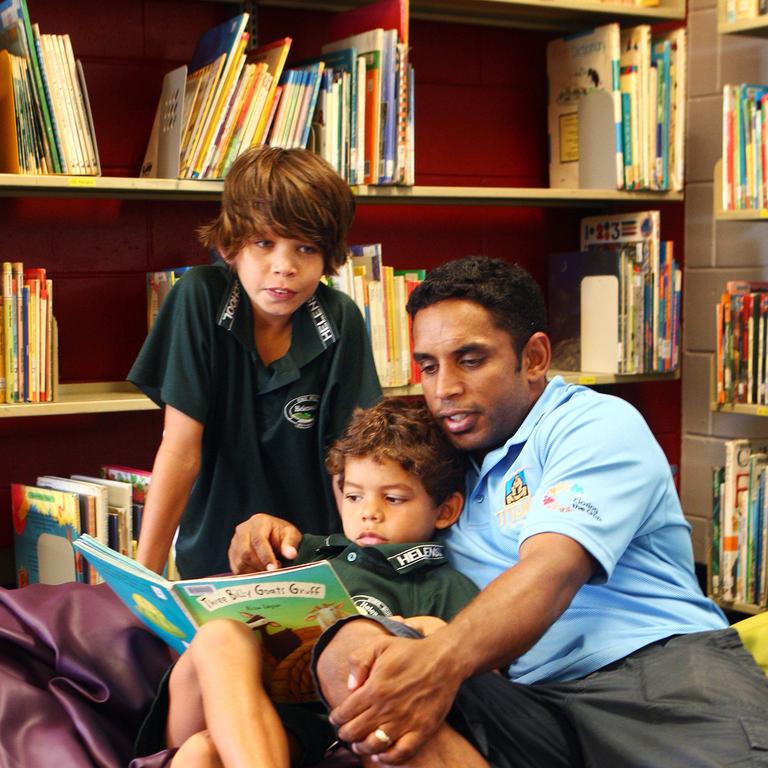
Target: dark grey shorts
point(690, 701)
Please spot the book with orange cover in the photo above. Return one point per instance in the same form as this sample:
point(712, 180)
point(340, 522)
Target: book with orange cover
point(226, 91)
point(273, 55)
point(215, 51)
point(9, 146)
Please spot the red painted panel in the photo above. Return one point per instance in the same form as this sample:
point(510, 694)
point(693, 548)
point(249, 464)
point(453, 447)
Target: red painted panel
point(97, 28)
point(102, 324)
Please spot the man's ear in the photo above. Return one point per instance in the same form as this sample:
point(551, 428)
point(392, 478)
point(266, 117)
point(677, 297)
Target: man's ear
point(450, 509)
point(537, 356)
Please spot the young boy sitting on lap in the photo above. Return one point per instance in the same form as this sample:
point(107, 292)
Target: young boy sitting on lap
point(400, 480)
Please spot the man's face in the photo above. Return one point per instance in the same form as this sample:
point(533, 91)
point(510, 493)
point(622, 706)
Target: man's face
point(471, 375)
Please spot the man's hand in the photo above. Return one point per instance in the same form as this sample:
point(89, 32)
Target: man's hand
point(404, 687)
point(256, 541)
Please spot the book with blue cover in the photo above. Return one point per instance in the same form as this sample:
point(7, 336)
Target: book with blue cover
point(288, 608)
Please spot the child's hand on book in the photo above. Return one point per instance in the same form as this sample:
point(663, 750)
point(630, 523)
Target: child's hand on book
point(256, 541)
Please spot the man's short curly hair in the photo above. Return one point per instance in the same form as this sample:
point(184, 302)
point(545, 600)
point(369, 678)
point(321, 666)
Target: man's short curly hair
point(405, 432)
point(293, 192)
point(507, 291)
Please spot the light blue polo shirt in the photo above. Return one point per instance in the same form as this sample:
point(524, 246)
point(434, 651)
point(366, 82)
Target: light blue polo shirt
point(586, 465)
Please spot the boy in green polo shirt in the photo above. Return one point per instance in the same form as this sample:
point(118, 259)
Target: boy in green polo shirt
point(400, 480)
point(257, 364)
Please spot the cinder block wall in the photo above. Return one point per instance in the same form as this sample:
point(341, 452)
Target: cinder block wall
point(714, 252)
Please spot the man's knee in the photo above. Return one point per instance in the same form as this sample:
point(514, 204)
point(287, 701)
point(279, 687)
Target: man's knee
point(333, 663)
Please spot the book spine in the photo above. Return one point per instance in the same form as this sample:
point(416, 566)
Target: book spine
point(41, 97)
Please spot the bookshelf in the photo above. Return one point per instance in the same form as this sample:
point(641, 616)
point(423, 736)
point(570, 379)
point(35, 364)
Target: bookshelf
point(124, 188)
point(120, 396)
point(99, 235)
point(520, 14)
point(757, 28)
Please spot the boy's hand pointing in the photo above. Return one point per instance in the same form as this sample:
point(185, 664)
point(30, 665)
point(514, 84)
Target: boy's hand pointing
point(256, 541)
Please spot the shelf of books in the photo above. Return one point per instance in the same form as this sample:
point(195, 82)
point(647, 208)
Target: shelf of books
point(738, 204)
point(115, 396)
point(531, 14)
point(745, 409)
point(90, 397)
point(741, 18)
point(534, 196)
point(15, 185)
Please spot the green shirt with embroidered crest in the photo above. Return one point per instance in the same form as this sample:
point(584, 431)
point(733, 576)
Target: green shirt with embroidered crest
point(409, 579)
point(266, 428)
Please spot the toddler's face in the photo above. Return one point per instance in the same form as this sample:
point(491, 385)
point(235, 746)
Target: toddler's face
point(384, 504)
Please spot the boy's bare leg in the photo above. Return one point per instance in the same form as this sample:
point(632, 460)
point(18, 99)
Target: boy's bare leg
point(445, 749)
point(221, 677)
point(198, 751)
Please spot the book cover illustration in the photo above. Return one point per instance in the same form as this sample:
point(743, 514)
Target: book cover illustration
point(288, 608)
point(45, 524)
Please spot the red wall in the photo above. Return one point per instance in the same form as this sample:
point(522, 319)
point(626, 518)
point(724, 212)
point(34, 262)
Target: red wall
point(481, 119)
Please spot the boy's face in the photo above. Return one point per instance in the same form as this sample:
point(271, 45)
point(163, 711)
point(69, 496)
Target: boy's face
point(279, 274)
point(383, 504)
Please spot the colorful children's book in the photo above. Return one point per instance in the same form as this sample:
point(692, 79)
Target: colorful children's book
point(288, 608)
point(45, 523)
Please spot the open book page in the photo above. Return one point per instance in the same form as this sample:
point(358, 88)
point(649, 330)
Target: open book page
point(288, 608)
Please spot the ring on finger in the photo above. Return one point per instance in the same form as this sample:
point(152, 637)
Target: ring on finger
point(382, 736)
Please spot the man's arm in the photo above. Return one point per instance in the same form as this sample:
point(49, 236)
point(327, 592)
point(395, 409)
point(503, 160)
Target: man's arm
point(406, 687)
point(176, 466)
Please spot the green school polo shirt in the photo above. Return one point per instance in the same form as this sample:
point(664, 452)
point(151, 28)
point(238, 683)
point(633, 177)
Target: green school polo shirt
point(266, 429)
point(412, 579)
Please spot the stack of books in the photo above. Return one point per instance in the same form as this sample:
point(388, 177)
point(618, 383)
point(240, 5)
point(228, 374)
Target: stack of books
point(49, 515)
point(744, 169)
point(352, 104)
point(739, 551)
point(381, 293)
point(45, 116)
point(28, 336)
point(616, 114)
point(615, 304)
point(736, 10)
point(741, 318)
point(159, 284)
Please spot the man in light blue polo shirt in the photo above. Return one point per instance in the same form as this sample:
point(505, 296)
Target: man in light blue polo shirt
point(589, 603)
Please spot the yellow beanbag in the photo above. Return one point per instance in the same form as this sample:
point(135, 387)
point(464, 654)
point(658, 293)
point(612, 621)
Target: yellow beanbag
point(754, 634)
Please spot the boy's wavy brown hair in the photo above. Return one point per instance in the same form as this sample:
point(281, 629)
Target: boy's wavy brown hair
point(405, 432)
point(294, 193)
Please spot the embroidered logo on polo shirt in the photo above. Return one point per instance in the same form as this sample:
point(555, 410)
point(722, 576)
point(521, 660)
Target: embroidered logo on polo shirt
point(302, 411)
point(408, 557)
point(228, 314)
point(517, 500)
point(372, 606)
point(516, 488)
point(568, 497)
point(320, 319)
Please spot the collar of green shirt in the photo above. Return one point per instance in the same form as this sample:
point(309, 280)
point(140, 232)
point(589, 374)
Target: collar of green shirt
point(400, 558)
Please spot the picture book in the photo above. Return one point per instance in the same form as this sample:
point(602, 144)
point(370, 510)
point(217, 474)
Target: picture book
point(579, 65)
point(45, 524)
point(288, 608)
